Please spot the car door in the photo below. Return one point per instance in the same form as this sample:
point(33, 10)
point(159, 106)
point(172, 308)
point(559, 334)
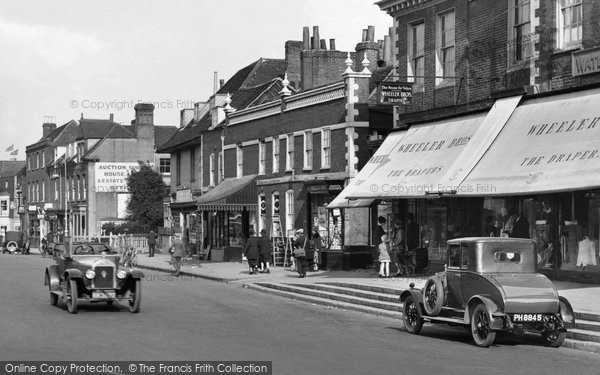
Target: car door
point(453, 276)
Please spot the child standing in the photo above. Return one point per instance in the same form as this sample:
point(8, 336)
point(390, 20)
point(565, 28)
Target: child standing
point(384, 257)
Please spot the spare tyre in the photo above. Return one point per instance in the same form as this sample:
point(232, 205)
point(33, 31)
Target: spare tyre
point(433, 296)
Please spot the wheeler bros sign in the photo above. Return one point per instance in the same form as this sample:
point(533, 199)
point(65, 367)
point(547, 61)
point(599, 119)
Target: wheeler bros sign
point(395, 93)
point(585, 62)
point(112, 177)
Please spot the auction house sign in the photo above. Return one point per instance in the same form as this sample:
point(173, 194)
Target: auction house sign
point(112, 177)
point(395, 93)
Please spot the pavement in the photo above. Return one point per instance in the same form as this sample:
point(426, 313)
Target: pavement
point(584, 298)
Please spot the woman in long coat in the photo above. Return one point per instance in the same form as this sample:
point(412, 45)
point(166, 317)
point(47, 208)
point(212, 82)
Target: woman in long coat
point(252, 251)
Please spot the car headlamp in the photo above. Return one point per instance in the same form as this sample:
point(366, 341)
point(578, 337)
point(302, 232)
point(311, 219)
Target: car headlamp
point(121, 274)
point(90, 274)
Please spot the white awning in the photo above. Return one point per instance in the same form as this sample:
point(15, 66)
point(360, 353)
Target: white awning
point(432, 158)
point(549, 144)
point(340, 202)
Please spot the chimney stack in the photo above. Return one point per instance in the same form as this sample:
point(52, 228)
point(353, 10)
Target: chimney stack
point(323, 44)
point(305, 38)
point(221, 83)
point(332, 44)
point(315, 40)
point(215, 89)
point(48, 125)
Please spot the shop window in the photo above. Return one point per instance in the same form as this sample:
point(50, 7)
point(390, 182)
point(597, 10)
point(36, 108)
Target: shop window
point(416, 55)
point(262, 157)
point(570, 23)
point(240, 161)
point(325, 148)
point(520, 38)
point(275, 154)
point(308, 150)
point(289, 160)
point(444, 56)
point(289, 210)
point(165, 165)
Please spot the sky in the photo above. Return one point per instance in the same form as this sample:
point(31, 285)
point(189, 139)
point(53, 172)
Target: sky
point(59, 59)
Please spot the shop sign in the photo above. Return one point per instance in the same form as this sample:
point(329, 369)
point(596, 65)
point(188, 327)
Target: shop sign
point(395, 93)
point(112, 177)
point(183, 195)
point(335, 186)
point(317, 188)
point(32, 208)
point(585, 62)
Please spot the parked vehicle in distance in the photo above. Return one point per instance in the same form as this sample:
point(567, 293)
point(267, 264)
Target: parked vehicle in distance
point(90, 272)
point(14, 242)
point(490, 285)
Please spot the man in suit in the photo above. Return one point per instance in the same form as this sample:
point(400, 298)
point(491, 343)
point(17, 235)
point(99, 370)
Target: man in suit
point(151, 243)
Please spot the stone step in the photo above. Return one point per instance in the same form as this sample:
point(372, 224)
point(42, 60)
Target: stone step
point(324, 301)
point(580, 315)
point(306, 289)
point(351, 291)
point(369, 288)
point(587, 325)
point(583, 335)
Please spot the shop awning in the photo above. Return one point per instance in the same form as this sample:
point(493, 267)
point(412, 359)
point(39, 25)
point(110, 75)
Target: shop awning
point(429, 159)
point(232, 194)
point(340, 202)
point(549, 144)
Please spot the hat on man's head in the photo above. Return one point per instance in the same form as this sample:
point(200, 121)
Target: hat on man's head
point(300, 231)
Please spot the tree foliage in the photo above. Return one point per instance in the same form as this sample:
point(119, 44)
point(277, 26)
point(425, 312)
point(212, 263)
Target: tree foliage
point(145, 207)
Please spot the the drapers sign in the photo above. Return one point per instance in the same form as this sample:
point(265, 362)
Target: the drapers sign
point(395, 93)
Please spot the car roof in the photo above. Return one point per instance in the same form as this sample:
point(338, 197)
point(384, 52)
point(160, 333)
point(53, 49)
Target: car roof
point(489, 240)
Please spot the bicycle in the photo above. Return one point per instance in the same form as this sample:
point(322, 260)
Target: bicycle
point(129, 258)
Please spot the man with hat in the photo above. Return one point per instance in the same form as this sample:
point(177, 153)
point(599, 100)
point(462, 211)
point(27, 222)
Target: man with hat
point(300, 252)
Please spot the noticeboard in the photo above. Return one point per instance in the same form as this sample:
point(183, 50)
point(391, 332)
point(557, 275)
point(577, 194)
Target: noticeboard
point(395, 93)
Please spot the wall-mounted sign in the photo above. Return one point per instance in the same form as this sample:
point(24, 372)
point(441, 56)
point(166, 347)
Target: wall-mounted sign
point(112, 177)
point(395, 93)
point(183, 195)
point(585, 62)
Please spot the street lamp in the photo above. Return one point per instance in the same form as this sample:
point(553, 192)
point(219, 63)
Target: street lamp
point(20, 208)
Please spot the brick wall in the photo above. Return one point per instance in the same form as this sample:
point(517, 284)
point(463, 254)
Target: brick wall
point(321, 67)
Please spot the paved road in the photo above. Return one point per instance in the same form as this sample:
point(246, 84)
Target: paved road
point(196, 319)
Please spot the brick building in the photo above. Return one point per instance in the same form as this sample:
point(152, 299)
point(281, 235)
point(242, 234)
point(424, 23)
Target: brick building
point(505, 94)
point(287, 146)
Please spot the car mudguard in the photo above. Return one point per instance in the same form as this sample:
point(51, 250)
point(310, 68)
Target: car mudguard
point(53, 276)
point(73, 273)
point(136, 274)
point(494, 313)
point(417, 296)
point(566, 312)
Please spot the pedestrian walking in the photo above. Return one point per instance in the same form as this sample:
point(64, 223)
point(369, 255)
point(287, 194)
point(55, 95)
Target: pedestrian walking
point(252, 252)
point(265, 252)
point(316, 245)
point(300, 252)
point(177, 251)
point(384, 257)
point(151, 243)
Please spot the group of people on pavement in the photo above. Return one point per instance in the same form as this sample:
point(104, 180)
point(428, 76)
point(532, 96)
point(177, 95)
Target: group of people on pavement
point(307, 250)
point(397, 247)
point(258, 252)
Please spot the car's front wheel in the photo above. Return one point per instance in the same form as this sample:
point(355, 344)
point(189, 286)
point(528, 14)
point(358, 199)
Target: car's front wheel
point(480, 327)
point(135, 297)
point(72, 296)
point(552, 336)
point(433, 296)
point(413, 322)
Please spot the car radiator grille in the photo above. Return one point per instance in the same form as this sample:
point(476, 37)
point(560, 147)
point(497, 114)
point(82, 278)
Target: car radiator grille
point(104, 277)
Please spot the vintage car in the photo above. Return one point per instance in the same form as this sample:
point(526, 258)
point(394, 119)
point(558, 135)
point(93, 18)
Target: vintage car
point(90, 271)
point(14, 242)
point(490, 285)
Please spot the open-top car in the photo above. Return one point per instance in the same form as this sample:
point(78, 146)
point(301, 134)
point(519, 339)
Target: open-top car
point(15, 242)
point(490, 285)
point(90, 271)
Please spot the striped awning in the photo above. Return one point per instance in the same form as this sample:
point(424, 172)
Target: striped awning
point(232, 194)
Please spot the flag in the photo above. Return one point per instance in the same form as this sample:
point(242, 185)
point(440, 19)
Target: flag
point(10, 148)
point(15, 152)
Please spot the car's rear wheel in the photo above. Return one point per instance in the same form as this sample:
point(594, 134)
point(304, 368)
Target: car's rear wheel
point(552, 336)
point(413, 322)
point(53, 296)
point(135, 297)
point(480, 327)
point(433, 296)
point(72, 296)
point(12, 246)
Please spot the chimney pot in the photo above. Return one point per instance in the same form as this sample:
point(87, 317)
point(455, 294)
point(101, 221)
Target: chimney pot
point(221, 83)
point(371, 34)
point(323, 44)
point(316, 39)
point(332, 44)
point(305, 38)
point(111, 117)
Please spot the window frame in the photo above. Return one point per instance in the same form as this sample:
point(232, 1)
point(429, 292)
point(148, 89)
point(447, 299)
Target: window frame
point(262, 157)
point(325, 148)
point(415, 73)
point(443, 44)
point(289, 210)
point(308, 150)
point(276, 151)
point(4, 211)
point(561, 26)
point(289, 153)
point(164, 166)
point(239, 160)
point(211, 178)
point(520, 38)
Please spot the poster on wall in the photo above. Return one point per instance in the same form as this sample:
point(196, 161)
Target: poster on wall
point(356, 226)
point(112, 177)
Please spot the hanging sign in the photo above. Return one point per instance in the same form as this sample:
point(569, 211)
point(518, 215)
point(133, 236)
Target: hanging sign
point(395, 93)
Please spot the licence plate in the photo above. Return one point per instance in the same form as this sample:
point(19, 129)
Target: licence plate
point(527, 317)
point(109, 294)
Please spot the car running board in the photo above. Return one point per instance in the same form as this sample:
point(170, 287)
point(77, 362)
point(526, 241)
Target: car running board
point(434, 319)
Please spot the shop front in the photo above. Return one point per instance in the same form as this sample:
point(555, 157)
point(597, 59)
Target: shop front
point(226, 215)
